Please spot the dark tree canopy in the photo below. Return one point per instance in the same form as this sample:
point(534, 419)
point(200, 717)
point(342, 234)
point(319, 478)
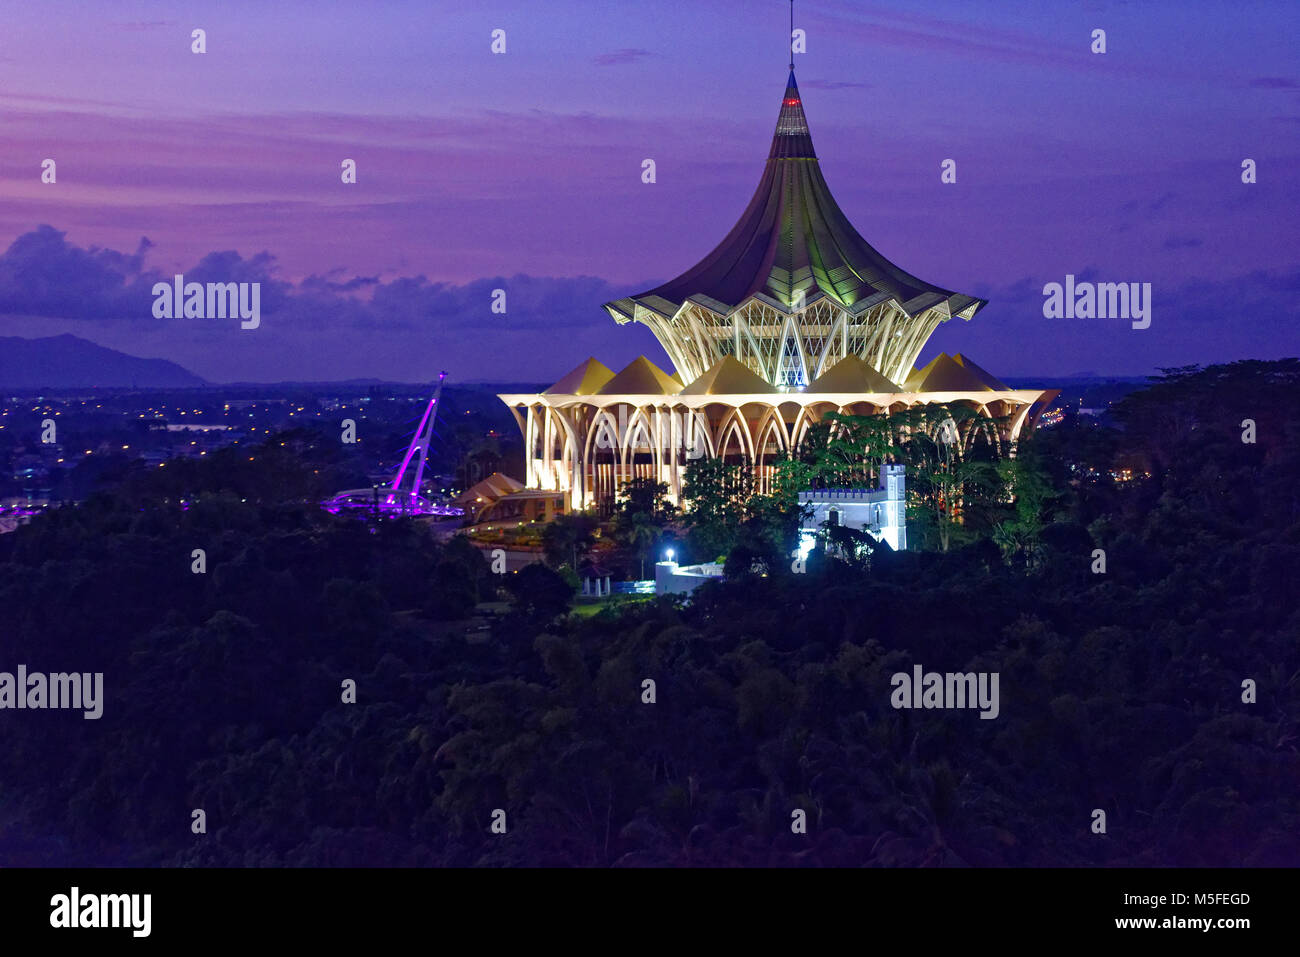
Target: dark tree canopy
point(1122, 691)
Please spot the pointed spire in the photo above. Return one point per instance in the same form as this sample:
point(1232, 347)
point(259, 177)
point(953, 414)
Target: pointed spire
point(729, 376)
point(943, 373)
point(852, 374)
point(641, 377)
point(792, 139)
point(586, 379)
point(986, 377)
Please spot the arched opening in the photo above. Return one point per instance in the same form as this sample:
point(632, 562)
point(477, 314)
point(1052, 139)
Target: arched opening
point(604, 460)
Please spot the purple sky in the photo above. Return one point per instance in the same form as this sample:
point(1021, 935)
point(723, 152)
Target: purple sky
point(473, 167)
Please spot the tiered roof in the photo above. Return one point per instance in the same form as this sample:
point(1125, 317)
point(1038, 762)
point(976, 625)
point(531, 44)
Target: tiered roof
point(641, 377)
point(945, 373)
point(729, 376)
point(586, 379)
point(852, 374)
point(793, 237)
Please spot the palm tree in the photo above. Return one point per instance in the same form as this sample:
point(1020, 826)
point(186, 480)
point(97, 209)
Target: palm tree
point(642, 513)
point(640, 532)
point(569, 536)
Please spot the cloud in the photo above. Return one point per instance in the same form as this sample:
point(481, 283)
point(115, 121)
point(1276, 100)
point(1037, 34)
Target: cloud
point(1193, 301)
point(940, 36)
point(1201, 320)
point(322, 327)
point(41, 274)
point(339, 324)
point(1151, 206)
point(834, 85)
point(1274, 83)
point(1161, 201)
point(322, 284)
point(145, 25)
point(619, 57)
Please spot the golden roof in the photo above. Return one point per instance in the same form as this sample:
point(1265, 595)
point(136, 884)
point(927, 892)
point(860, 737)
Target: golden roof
point(586, 379)
point(946, 374)
point(729, 376)
point(641, 377)
point(988, 378)
point(852, 374)
point(490, 489)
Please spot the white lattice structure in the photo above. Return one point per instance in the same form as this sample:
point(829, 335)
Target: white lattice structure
point(588, 445)
point(792, 348)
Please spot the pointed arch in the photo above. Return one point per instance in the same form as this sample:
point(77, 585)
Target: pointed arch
point(734, 424)
point(638, 424)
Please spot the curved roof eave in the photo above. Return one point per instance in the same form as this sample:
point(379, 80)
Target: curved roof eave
point(793, 236)
point(958, 305)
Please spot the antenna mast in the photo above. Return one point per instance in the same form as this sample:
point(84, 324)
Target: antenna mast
point(790, 38)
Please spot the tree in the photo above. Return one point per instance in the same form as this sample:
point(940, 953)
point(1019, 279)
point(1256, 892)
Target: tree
point(1027, 482)
point(942, 479)
point(647, 497)
point(773, 521)
point(641, 514)
point(539, 593)
point(481, 460)
point(846, 451)
point(717, 494)
point(851, 545)
point(568, 537)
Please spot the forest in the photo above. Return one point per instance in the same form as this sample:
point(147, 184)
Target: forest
point(1122, 690)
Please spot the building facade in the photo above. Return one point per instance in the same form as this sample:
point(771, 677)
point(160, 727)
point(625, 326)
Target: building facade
point(792, 316)
point(881, 512)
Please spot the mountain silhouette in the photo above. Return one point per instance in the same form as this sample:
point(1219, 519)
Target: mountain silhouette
point(68, 361)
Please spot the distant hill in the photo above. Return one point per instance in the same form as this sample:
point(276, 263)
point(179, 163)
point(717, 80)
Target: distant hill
point(67, 361)
point(391, 385)
point(1084, 391)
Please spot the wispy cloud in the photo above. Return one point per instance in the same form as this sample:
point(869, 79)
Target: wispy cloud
point(142, 25)
point(1274, 83)
point(943, 36)
point(619, 57)
point(834, 85)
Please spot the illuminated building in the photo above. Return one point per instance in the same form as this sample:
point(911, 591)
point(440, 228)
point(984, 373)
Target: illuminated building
point(792, 316)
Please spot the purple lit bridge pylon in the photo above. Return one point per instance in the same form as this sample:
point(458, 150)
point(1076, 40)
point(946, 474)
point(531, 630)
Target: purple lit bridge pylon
point(403, 495)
